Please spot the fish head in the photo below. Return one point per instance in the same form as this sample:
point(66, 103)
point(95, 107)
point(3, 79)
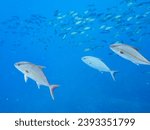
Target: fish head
point(22, 66)
point(89, 60)
point(116, 47)
point(85, 59)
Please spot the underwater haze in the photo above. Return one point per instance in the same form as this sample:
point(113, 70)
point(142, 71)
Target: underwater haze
point(57, 35)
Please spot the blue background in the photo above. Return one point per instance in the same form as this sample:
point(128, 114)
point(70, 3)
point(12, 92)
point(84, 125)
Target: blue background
point(82, 89)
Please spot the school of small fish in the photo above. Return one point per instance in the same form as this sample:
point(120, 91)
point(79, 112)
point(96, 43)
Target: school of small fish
point(126, 20)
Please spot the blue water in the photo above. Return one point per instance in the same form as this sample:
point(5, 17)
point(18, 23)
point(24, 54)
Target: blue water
point(31, 30)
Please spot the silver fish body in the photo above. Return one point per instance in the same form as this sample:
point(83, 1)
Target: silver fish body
point(129, 53)
point(97, 64)
point(35, 72)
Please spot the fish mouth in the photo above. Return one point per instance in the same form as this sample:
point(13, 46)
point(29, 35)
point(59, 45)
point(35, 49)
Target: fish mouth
point(83, 58)
point(112, 46)
point(15, 64)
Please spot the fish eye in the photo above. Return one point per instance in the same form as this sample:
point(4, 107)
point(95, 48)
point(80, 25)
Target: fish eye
point(121, 52)
point(18, 64)
point(26, 71)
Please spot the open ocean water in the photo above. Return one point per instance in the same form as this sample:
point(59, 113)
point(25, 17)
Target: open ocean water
point(57, 34)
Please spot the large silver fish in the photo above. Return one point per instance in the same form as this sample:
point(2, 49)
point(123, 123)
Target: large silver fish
point(96, 63)
point(35, 73)
point(130, 53)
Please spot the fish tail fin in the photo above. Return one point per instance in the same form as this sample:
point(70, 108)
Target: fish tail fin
point(113, 74)
point(52, 88)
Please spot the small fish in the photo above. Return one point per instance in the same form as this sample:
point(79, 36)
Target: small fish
point(97, 64)
point(130, 18)
point(73, 33)
point(129, 53)
point(78, 22)
point(74, 14)
point(87, 28)
point(35, 73)
point(71, 12)
point(129, 4)
point(118, 16)
point(108, 28)
point(59, 17)
point(90, 19)
point(78, 18)
point(82, 32)
point(102, 27)
point(64, 36)
point(87, 49)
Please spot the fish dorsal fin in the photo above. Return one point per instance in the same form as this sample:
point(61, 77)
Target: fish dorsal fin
point(136, 48)
point(25, 78)
point(41, 67)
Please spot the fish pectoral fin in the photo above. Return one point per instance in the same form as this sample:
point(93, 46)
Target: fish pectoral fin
point(25, 78)
point(38, 85)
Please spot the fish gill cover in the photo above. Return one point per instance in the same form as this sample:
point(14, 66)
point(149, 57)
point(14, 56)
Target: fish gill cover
point(57, 34)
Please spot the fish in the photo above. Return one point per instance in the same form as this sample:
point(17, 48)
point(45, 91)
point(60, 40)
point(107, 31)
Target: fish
point(130, 18)
point(82, 32)
point(98, 64)
point(75, 14)
point(78, 22)
point(129, 53)
point(35, 73)
point(59, 17)
point(73, 33)
point(78, 18)
point(87, 49)
point(64, 36)
point(87, 28)
point(102, 27)
point(108, 28)
point(118, 16)
point(90, 19)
